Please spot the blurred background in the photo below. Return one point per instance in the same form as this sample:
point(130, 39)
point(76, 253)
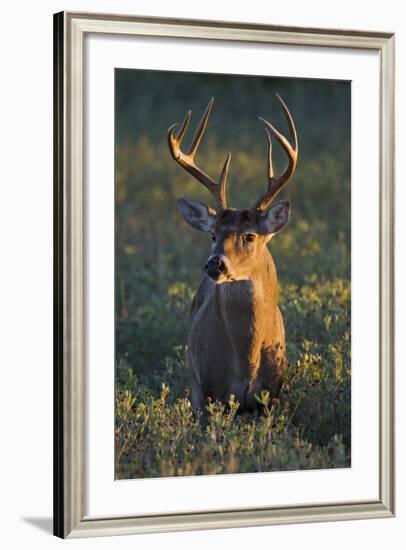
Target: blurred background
point(159, 257)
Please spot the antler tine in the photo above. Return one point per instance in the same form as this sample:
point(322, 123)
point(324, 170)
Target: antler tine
point(270, 165)
point(184, 127)
point(275, 184)
point(200, 129)
point(187, 160)
point(292, 128)
point(223, 182)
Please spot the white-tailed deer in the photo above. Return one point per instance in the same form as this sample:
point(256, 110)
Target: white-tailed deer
point(236, 341)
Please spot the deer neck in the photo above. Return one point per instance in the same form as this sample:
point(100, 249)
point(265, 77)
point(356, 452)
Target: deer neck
point(245, 308)
point(260, 286)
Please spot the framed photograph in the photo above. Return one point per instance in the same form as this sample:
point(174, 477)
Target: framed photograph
point(224, 285)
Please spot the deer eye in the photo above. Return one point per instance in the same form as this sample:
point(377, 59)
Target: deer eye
point(213, 236)
point(249, 237)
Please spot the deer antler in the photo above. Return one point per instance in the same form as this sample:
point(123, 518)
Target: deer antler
point(275, 184)
point(187, 160)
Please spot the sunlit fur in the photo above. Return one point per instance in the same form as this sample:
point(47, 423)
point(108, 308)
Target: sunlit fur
point(237, 340)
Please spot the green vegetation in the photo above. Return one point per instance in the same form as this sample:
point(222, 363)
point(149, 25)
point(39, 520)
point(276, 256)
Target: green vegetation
point(159, 263)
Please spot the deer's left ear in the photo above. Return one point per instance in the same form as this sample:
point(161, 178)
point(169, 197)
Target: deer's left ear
point(275, 218)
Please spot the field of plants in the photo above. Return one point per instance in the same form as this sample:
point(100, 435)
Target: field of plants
point(159, 262)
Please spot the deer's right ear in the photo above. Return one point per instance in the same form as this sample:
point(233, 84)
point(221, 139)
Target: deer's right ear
point(197, 214)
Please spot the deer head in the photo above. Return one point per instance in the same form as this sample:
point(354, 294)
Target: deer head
point(239, 236)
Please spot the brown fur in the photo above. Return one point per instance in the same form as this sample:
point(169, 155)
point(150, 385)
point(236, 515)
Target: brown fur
point(236, 341)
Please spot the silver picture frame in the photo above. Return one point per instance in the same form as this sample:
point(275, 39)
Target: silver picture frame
point(70, 30)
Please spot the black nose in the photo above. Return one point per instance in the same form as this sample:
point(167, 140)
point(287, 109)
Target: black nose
point(214, 267)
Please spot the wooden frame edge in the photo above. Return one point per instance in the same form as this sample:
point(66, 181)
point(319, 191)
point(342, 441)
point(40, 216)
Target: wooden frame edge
point(58, 302)
point(387, 273)
point(229, 519)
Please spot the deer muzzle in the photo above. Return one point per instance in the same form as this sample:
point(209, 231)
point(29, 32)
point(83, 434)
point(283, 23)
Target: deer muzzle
point(216, 266)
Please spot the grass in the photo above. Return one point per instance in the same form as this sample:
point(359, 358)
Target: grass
point(158, 433)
